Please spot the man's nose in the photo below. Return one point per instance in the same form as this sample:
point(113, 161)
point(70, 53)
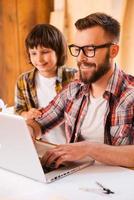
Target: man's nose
point(81, 56)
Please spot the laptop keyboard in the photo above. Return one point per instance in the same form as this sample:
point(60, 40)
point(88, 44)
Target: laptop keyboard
point(49, 168)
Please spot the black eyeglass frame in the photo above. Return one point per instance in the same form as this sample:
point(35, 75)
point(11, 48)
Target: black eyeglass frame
point(106, 45)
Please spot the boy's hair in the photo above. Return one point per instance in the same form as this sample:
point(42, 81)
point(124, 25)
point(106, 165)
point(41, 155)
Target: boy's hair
point(46, 35)
point(110, 25)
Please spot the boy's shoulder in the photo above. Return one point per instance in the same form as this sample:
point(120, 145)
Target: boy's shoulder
point(27, 75)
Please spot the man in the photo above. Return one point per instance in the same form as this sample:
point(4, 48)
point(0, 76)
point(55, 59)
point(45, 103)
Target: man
point(98, 111)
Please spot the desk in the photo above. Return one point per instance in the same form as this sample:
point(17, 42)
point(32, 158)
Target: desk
point(78, 186)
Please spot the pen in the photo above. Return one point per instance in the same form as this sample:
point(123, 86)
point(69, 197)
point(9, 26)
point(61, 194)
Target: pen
point(106, 190)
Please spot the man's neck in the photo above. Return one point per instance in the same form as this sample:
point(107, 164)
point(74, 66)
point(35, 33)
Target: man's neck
point(98, 88)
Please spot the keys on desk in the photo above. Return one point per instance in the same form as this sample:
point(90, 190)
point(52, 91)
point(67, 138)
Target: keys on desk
point(106, 190)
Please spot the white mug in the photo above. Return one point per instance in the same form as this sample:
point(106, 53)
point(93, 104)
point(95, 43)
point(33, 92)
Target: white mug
point(2, 105)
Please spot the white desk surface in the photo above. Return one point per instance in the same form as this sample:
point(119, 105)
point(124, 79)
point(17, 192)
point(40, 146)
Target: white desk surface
point(78, 186)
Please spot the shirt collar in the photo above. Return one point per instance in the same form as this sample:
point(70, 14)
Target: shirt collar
point(32, 77)
point(112, 87)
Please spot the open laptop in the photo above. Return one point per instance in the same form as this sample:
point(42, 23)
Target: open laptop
point(19, 154)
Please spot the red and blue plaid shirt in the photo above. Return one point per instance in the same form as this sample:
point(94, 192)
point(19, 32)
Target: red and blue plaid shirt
point(70, 106)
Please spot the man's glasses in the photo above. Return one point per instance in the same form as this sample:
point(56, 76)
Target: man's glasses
point(88, 50)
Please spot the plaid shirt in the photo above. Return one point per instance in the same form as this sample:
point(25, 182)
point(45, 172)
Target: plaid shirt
point(70, 106)
point(25, 92)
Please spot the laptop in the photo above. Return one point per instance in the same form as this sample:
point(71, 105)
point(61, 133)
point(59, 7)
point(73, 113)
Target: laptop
point(20, 155)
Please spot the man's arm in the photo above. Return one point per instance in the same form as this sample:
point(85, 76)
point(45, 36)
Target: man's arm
point(34, 129)
point(112, 155)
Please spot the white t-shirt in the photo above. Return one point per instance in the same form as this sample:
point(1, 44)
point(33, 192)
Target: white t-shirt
point(45, 88)
point(93, 125)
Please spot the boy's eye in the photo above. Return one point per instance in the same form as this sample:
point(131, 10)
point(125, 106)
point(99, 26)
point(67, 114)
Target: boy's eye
point(43, 52)
point(32, 53)
point(47, 51)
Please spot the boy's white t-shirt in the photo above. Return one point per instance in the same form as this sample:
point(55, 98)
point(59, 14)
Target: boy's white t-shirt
point(92, 128)
point(56, 135)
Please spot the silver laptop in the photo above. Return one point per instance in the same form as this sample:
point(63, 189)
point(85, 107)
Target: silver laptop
point(19, 154)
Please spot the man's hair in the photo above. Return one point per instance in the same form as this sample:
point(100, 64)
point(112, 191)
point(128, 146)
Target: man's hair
point(110, 25)
point(46, 35)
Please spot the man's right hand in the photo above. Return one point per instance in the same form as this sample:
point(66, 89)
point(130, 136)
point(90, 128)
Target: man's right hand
point(66, 153)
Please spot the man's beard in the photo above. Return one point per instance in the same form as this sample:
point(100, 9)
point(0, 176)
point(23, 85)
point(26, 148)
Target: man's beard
point(103, 68)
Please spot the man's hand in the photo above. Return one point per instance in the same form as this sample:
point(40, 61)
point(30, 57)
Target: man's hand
point(63, 153)
point(122, 155)
point(32, 113)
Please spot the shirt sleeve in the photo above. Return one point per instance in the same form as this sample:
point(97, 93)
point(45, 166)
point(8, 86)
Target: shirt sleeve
point(53, 114)
point(20, 102)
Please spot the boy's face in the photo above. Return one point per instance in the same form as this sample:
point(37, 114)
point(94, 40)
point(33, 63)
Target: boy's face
point(44, 59)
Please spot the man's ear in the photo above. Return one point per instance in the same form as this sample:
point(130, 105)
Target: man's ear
point(114, 49)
